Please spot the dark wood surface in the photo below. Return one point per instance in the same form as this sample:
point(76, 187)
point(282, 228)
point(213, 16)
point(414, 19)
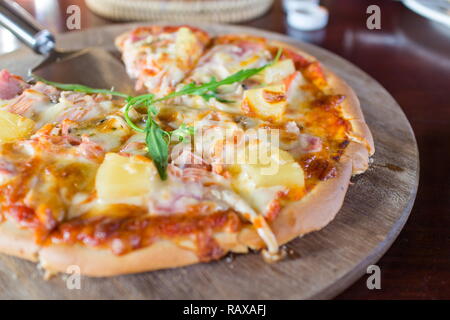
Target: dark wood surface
point(409, 56)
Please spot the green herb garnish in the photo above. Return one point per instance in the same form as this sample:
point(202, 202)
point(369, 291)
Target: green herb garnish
point(209, 90)
point(156, 138)
point(79, 87)
point(158, 146)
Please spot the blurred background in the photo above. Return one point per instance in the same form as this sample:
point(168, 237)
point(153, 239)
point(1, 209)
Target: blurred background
point(409, 55)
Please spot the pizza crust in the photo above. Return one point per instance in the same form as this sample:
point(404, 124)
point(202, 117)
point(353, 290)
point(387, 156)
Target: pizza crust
point(18, 242)
point(362, 146)
point(103, 263)
point(311, 213)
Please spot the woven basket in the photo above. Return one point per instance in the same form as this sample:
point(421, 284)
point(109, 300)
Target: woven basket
point(180, 10)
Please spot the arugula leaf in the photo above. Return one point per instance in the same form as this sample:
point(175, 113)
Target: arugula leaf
point(129, 121)
point(79, 87)
point(157, 141)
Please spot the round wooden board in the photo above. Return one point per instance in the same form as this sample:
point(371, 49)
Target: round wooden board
point(325, 263)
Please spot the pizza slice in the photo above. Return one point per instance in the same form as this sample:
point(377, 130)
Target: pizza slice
point(160, 57)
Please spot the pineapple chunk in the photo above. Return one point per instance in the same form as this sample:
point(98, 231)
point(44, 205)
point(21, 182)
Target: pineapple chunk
point(259, 179)
point(268, 103)
point(268, 166)
point(125, 179)
point(14, 126)
point(277, 72)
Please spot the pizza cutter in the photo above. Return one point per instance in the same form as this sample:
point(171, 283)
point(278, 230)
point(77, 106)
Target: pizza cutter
point(93, 67)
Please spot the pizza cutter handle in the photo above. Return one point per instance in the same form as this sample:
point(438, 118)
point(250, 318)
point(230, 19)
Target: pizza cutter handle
point(17, 20)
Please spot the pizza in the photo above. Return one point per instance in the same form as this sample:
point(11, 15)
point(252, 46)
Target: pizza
point(238, 144)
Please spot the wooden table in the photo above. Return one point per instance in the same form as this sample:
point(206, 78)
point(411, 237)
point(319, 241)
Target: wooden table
point(409, 56)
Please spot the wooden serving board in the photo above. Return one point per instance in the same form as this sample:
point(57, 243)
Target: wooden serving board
point(322, 264)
